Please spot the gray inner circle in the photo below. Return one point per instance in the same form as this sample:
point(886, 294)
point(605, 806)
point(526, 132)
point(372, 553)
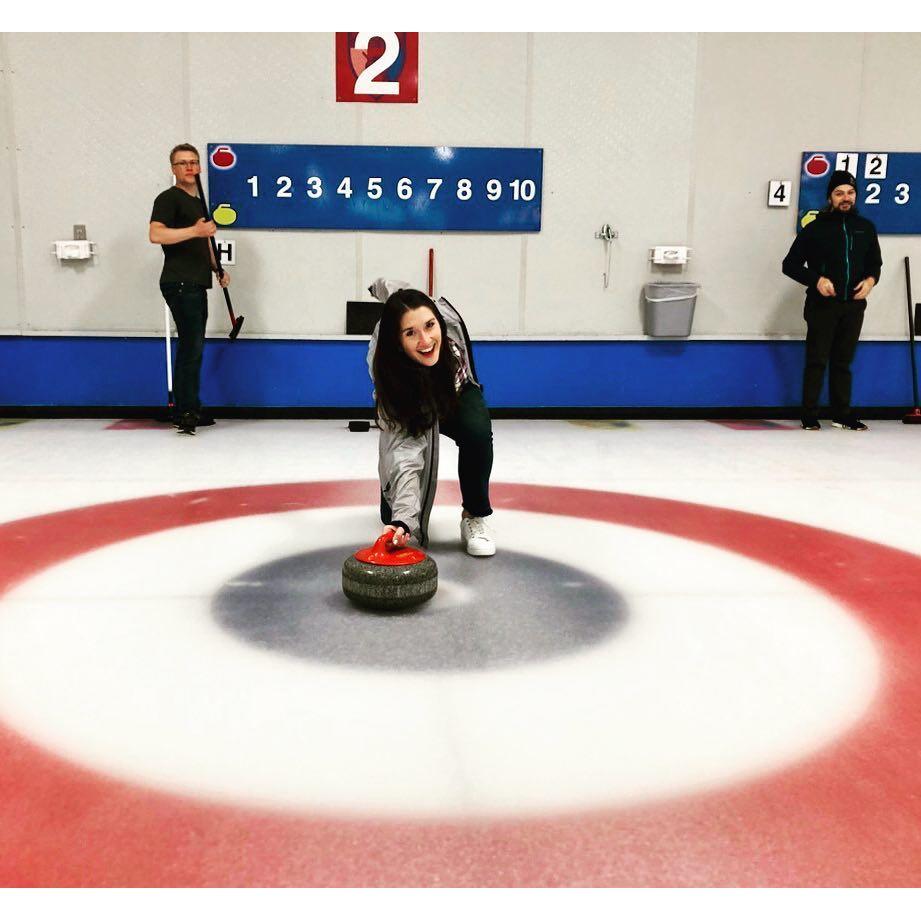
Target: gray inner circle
point(511, 609)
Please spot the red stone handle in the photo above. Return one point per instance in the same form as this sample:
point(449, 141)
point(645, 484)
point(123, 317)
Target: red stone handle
point(385, 544)
point(384, 553)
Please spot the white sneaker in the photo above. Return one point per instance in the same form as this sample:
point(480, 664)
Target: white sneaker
point(475, 535)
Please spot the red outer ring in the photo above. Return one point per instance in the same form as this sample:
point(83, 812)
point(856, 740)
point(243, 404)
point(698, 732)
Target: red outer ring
point(849, 816)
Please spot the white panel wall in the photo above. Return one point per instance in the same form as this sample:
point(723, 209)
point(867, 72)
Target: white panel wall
point(670, 138)
point(614, 114)
point(91, 113)
point(763, 99)
point(9, 295)
point(890, 119)
point(277, 89)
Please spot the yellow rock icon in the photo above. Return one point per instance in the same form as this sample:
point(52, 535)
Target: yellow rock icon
point(807, 218)
point(224, 215)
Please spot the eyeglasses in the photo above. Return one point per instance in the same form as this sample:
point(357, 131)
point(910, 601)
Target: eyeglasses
point(185, 163)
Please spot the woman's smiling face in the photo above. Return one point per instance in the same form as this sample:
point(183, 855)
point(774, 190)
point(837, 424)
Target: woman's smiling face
point(420, 336)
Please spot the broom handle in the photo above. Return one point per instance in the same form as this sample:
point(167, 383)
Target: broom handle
point(911, 332)
point(207, 215)
point(169, 356)
point(236, 323)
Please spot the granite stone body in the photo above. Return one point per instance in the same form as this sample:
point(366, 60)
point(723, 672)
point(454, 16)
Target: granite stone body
point(384, 578)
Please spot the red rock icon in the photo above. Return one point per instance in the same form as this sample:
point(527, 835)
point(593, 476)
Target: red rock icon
point(817, 165)
point(223, 157)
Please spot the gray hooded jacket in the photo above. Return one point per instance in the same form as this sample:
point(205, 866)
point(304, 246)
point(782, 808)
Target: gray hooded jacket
point(407, 465)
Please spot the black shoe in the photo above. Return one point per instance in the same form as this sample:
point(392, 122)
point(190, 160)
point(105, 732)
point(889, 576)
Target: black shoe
point(187, 423)
point(205, 418)
point(810, 423)
point(851, 423)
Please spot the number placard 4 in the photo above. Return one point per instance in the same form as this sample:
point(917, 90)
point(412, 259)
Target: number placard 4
point(780, 192)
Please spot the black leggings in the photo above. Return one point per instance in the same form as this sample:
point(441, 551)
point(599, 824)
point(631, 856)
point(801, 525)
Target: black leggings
point(471, 430)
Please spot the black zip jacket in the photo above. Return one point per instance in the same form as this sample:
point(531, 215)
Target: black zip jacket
point(842, 247)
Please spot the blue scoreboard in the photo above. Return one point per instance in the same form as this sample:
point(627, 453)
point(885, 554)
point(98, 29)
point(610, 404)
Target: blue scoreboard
point(335, 187)
point(888, 187)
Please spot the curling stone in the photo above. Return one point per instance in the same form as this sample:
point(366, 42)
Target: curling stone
point(389, 578)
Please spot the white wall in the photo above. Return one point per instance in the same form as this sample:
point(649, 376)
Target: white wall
point(670, 138)
point(10, 301)
point(762, 100)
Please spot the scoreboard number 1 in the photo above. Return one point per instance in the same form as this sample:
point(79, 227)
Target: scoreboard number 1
point(847, 162)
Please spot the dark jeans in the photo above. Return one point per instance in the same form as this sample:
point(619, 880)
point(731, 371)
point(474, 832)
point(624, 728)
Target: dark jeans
point(188, 304)
point(471, 430)
point(833, 328)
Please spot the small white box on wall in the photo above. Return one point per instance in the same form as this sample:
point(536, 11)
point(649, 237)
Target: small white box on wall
point(670, 255)
point(74, 249)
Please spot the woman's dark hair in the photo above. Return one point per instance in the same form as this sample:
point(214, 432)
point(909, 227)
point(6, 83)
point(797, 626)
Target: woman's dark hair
point(409, 395)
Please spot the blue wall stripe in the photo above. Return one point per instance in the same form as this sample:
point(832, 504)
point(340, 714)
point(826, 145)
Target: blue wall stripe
point(119, 371)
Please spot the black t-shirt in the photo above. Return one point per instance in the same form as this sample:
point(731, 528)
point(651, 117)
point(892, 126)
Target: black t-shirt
point(189, 261)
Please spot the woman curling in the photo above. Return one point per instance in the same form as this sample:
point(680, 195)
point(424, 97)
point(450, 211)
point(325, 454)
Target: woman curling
point(425, 383)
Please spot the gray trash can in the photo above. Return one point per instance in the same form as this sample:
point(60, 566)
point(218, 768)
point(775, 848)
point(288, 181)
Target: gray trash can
point(669, 308)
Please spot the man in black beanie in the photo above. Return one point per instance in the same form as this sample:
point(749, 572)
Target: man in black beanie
point(837, 258)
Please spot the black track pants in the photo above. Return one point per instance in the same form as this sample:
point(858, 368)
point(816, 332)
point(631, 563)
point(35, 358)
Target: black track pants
point(833, 328)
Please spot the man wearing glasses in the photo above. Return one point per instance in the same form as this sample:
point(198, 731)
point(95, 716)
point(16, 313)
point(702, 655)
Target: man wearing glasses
point(176, 223)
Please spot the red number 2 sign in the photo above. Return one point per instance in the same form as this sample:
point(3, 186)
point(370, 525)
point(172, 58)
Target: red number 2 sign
point(377, 66)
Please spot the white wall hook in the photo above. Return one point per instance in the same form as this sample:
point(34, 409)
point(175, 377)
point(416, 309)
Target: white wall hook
point(608, 234)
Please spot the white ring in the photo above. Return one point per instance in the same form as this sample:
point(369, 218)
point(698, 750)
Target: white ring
point(725, 670)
